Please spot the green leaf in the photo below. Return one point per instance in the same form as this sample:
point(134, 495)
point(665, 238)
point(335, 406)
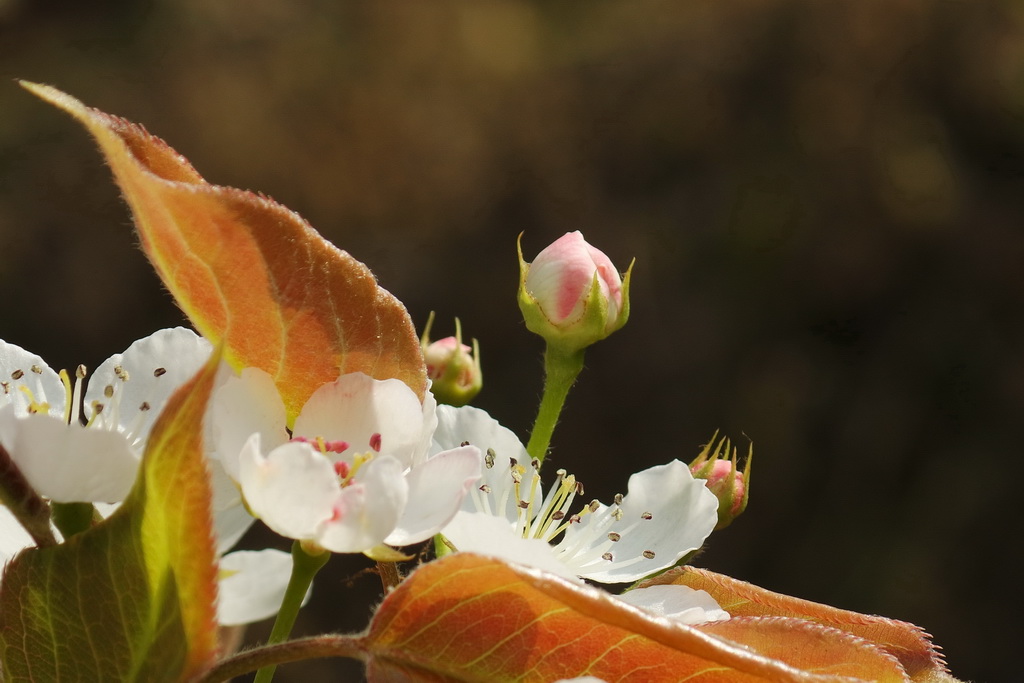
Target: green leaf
point(131, 599)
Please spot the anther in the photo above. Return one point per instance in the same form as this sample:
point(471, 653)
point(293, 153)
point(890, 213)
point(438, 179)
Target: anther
point(17, 374)
point(6, 386)
point(557, 515)
point(81, 371)
point(375, 441)
point(614, 537)
point(489, 458)
point(574, 518)
point(536, 464)
point(463, 444)
point(647, 515)
point(342, 469)
point(649, 554)
point(160, 372)
point(108, 391)
point(512, 462)
point(97, 407)
point(618, 499)
point(524, 504)
point(579, 488)
point(145, 406)
point(485, 488)
point(617, 514)
point(607, 556)
point(36, 369)
point(595, 505)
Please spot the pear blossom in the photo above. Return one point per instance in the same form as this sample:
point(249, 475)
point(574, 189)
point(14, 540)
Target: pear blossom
point(354, 472)
point(97, 462)
point(40, 411)
point(664, 515)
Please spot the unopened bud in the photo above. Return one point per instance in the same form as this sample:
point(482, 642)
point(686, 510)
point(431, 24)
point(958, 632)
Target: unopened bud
point(571, 294)
point(453, 367)
point(723, 478)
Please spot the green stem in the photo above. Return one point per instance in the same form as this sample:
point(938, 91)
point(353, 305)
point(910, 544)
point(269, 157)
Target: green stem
point(304, 567)
point(561, 368)
point(72, 518)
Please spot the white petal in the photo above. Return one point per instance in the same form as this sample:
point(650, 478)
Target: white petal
point(293, 490)
point(13, 537)
point(252, 585)
point(32, 372)
point(356, 407)
point(436, 490)
point(680, 603)
point(156, 366)
point(69, 463)
point(230, 518)
point(368, 508)
point(468, 424)
point(239, 407)
point(485, 534)
point(665, 514)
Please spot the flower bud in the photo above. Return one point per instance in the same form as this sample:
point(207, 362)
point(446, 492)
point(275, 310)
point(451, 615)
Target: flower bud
point(572, 294)
point(453, 367)
point(724, 479)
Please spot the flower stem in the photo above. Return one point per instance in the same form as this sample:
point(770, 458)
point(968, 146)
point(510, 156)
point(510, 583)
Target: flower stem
point(561, 368)
point(305, 565)
point(72, 518)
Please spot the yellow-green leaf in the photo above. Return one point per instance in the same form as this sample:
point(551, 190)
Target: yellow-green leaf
point(131, 599)
point(251, 273)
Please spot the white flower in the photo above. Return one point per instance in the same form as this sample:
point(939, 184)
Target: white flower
point(40, 413)
point(356, 474)
point(67, 461)
point(664, 515)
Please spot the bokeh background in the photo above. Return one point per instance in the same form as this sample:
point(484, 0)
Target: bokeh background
point(825, 201)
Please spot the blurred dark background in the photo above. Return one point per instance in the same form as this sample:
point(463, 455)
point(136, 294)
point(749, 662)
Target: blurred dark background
point(825, 202)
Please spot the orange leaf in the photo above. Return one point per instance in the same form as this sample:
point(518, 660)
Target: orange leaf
point(471, 618)
point(251, 273)
point(908, 643)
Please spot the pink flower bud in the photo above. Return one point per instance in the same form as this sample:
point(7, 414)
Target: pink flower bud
point(453, 367)
point(571, 294)
point(724, 479)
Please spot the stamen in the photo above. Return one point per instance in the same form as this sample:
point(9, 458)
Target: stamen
point(647, 515)
point(36, 369)
point(607, 556)
point(489, 458)
point(342, 469)
point(17, 374)
point(614, 537)
point(649, 554)
point(76, 401)
point(160, 372)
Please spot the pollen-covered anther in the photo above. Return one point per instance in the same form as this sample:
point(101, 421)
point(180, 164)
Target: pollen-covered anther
point(517, 476)
point(120, 373)
point(36, 369)
point(607, 556)
point(485, 488)
point(574, 518)
point(160, 372)
point(614, 537)
point(17, 374)
point(647, 515)
point(617, 514)
point(489, 458)
point(649, 554)
point(342, 469)
point(594, 505)
point(618, 499)
point(81, 371)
